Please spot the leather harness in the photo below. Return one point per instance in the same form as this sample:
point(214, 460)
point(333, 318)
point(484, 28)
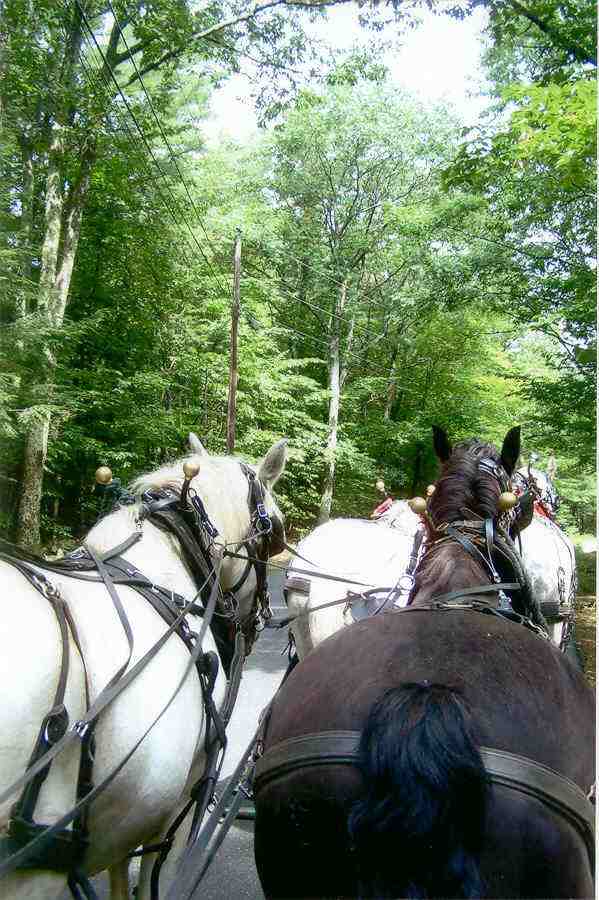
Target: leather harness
point(33, 845)
point(511, 770)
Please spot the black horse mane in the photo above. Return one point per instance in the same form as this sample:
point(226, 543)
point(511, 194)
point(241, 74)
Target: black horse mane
point(463, 487)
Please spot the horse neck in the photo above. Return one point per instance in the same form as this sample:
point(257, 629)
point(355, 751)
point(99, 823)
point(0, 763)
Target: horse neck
point(447, 568)
point(400, 516)
point(223, 489)
point(157, 555)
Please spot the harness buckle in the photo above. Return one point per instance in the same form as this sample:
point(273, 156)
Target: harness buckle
point(263, 522)
point(81, 728)
point(229, 603)
point(405, 583)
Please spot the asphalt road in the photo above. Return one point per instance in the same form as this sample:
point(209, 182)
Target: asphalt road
point(232, 875)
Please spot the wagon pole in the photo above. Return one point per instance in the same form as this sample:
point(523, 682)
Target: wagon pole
point(233, 364)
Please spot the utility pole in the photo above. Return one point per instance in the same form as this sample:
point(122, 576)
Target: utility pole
point(233, 366)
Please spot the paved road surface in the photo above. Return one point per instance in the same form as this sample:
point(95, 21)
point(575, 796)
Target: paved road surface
point(232, 875)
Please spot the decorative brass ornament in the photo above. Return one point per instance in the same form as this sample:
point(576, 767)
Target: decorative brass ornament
point(430, 490)
point(103, 475)
point(417, 505)
point(379, 485)
point(507, 500)
point(190, 469)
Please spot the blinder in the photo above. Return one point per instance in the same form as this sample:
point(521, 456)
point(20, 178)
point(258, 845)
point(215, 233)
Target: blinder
point(496, 470)
point(518, 518)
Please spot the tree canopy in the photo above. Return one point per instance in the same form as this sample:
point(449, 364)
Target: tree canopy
point(396, 270)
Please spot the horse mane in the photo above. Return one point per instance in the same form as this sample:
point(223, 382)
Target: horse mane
point(463, 488)
point(169, 476)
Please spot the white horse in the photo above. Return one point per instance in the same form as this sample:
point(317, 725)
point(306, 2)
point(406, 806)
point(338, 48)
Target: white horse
point(148, 792)
point(549, 557)
point(375, 554)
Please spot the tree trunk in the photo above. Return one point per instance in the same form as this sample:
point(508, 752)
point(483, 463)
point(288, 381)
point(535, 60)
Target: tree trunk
point(233, 363)
point(334, 406)
point(417, 468)
point(391, 386)
point(62, 226)
point(25, 233)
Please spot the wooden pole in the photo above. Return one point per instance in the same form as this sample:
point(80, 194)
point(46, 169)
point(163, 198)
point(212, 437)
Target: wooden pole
point(233, 365)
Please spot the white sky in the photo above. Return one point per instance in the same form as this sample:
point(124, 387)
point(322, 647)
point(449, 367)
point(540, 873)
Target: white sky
point(439, 60)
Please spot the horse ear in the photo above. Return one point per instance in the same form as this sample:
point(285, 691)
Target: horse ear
point(272, 466)
point(441, 443)
point(196, 445)
point(510, 450)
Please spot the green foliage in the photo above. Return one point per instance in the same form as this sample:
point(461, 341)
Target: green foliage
point(468, 296)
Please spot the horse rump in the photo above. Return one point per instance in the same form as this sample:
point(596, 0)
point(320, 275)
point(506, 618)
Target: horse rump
point(417, 830)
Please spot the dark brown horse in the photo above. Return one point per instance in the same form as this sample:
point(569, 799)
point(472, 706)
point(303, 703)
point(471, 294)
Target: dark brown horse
point(442, 750)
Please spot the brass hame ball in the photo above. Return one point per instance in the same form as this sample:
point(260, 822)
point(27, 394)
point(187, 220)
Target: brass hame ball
point(507, 500)
point(417, 505)
point(103, 475)
point(190, 469)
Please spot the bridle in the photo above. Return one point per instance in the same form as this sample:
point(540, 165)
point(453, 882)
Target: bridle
point(184, 515)
point(483, 539)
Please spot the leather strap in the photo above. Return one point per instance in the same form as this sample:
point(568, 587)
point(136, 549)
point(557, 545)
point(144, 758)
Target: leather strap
point(481, 589)
point(511, 770)
point(102, 701)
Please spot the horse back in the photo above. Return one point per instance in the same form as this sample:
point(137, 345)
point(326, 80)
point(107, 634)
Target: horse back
point(524, 695)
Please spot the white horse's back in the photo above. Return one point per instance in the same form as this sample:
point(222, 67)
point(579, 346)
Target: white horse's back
point(352, 550)
point(142, 796)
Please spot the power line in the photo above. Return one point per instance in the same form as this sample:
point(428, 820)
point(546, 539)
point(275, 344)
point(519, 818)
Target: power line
point(140, 130)
point(378, 335)
point(162, 132)
point(369, 369)
point(136, 145)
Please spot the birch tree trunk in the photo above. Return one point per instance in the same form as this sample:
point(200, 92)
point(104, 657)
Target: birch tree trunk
point(334, 406)
point(62, 224)
point(36, 439)
point(391, 386)
point(59, 250)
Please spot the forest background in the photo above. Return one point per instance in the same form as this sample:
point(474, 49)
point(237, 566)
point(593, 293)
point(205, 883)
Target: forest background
point(397, 268)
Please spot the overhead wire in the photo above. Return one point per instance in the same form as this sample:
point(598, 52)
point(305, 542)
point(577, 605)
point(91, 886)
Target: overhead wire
point(376, 335)
point(164, 137)
point(140, 130)
point(108, 68)
point(136, 145)
point(375, 370)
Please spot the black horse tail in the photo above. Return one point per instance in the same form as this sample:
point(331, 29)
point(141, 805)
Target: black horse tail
point(417, 831)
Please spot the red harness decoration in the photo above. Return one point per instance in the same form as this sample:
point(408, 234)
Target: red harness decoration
point(381, 508)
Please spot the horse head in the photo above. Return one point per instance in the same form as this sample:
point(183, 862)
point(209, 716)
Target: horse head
point(239, 500)
point(230, 507)
point(475, 478)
